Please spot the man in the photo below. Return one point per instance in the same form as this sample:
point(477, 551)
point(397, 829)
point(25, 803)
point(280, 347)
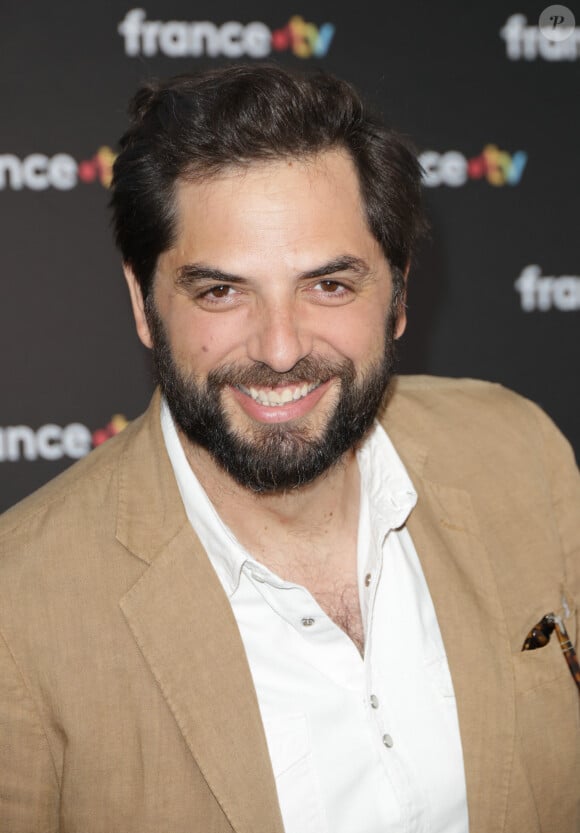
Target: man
point(259, 609)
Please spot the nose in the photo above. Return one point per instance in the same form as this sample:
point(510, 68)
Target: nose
point(279, 338)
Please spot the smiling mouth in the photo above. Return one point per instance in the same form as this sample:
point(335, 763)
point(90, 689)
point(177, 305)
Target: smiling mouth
point(275, 397)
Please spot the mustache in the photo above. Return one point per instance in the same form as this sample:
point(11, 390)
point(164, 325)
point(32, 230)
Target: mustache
point(308, 369)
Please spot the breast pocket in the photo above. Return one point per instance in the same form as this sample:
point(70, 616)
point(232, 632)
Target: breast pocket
point(548, 729)
point(297, 784)
point(542, 665)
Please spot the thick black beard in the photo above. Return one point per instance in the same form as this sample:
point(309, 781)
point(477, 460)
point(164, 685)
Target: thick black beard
point(279, 457)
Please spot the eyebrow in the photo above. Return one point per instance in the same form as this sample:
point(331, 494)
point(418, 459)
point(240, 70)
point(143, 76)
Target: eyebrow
point(193, 273)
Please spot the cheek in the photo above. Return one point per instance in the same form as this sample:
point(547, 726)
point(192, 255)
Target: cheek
point(203, 341)
point(360, 334)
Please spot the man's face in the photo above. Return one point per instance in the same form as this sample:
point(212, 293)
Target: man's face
point(271, 319)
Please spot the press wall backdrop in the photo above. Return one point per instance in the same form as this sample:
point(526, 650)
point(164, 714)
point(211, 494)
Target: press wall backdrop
point(491, 101)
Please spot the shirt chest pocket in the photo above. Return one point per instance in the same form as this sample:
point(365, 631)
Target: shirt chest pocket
point(293, 766)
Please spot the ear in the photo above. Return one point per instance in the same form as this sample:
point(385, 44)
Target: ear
point(401, 322)
point(138, 305)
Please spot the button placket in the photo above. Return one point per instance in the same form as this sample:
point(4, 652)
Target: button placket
point(372, 684)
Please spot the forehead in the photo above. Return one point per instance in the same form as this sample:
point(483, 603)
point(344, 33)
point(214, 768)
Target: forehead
point(298, 208)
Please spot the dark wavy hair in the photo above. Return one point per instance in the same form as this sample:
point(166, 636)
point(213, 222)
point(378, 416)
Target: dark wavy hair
point(193, 126)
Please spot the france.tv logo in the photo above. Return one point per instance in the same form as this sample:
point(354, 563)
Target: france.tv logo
point(38, 172)
point(180, 38)
point(452, 168)
point(53, 442)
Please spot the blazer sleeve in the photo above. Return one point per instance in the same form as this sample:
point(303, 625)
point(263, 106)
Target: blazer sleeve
point(29, 794)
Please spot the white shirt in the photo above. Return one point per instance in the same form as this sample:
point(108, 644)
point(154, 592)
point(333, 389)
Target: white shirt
point(357, 745)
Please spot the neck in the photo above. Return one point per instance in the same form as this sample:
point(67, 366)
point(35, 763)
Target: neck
point(265, 523)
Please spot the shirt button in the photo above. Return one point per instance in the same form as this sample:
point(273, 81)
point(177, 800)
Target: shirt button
point(307, 621)
point(374, 701)
point(388, 741)
point(367, 579)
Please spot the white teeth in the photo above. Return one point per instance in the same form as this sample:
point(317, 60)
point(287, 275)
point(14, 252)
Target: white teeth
point(281, 396)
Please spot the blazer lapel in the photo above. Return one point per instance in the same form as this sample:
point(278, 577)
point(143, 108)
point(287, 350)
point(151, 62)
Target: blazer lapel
point(185, 628)
point(460, 578)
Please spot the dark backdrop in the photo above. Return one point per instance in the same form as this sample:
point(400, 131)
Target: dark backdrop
point(495, 115)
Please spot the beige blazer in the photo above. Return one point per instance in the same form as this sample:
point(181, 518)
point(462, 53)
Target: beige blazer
point(126, 702)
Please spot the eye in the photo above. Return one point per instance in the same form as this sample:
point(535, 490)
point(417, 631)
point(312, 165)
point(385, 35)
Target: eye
point(331, 286)
point(218, 296)
point(330, 291)
point(221, 291)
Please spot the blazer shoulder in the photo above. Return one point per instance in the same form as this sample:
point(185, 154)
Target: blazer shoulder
point(442, 391)
point(449, 401)
point(468, 426)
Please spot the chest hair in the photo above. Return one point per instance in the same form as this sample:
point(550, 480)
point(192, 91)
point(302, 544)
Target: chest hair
point(338, 597)
point(341, 604)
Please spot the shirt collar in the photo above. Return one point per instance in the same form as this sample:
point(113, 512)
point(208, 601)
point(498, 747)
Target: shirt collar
point(385, 485)
point(224, 551)
point(384, 481)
